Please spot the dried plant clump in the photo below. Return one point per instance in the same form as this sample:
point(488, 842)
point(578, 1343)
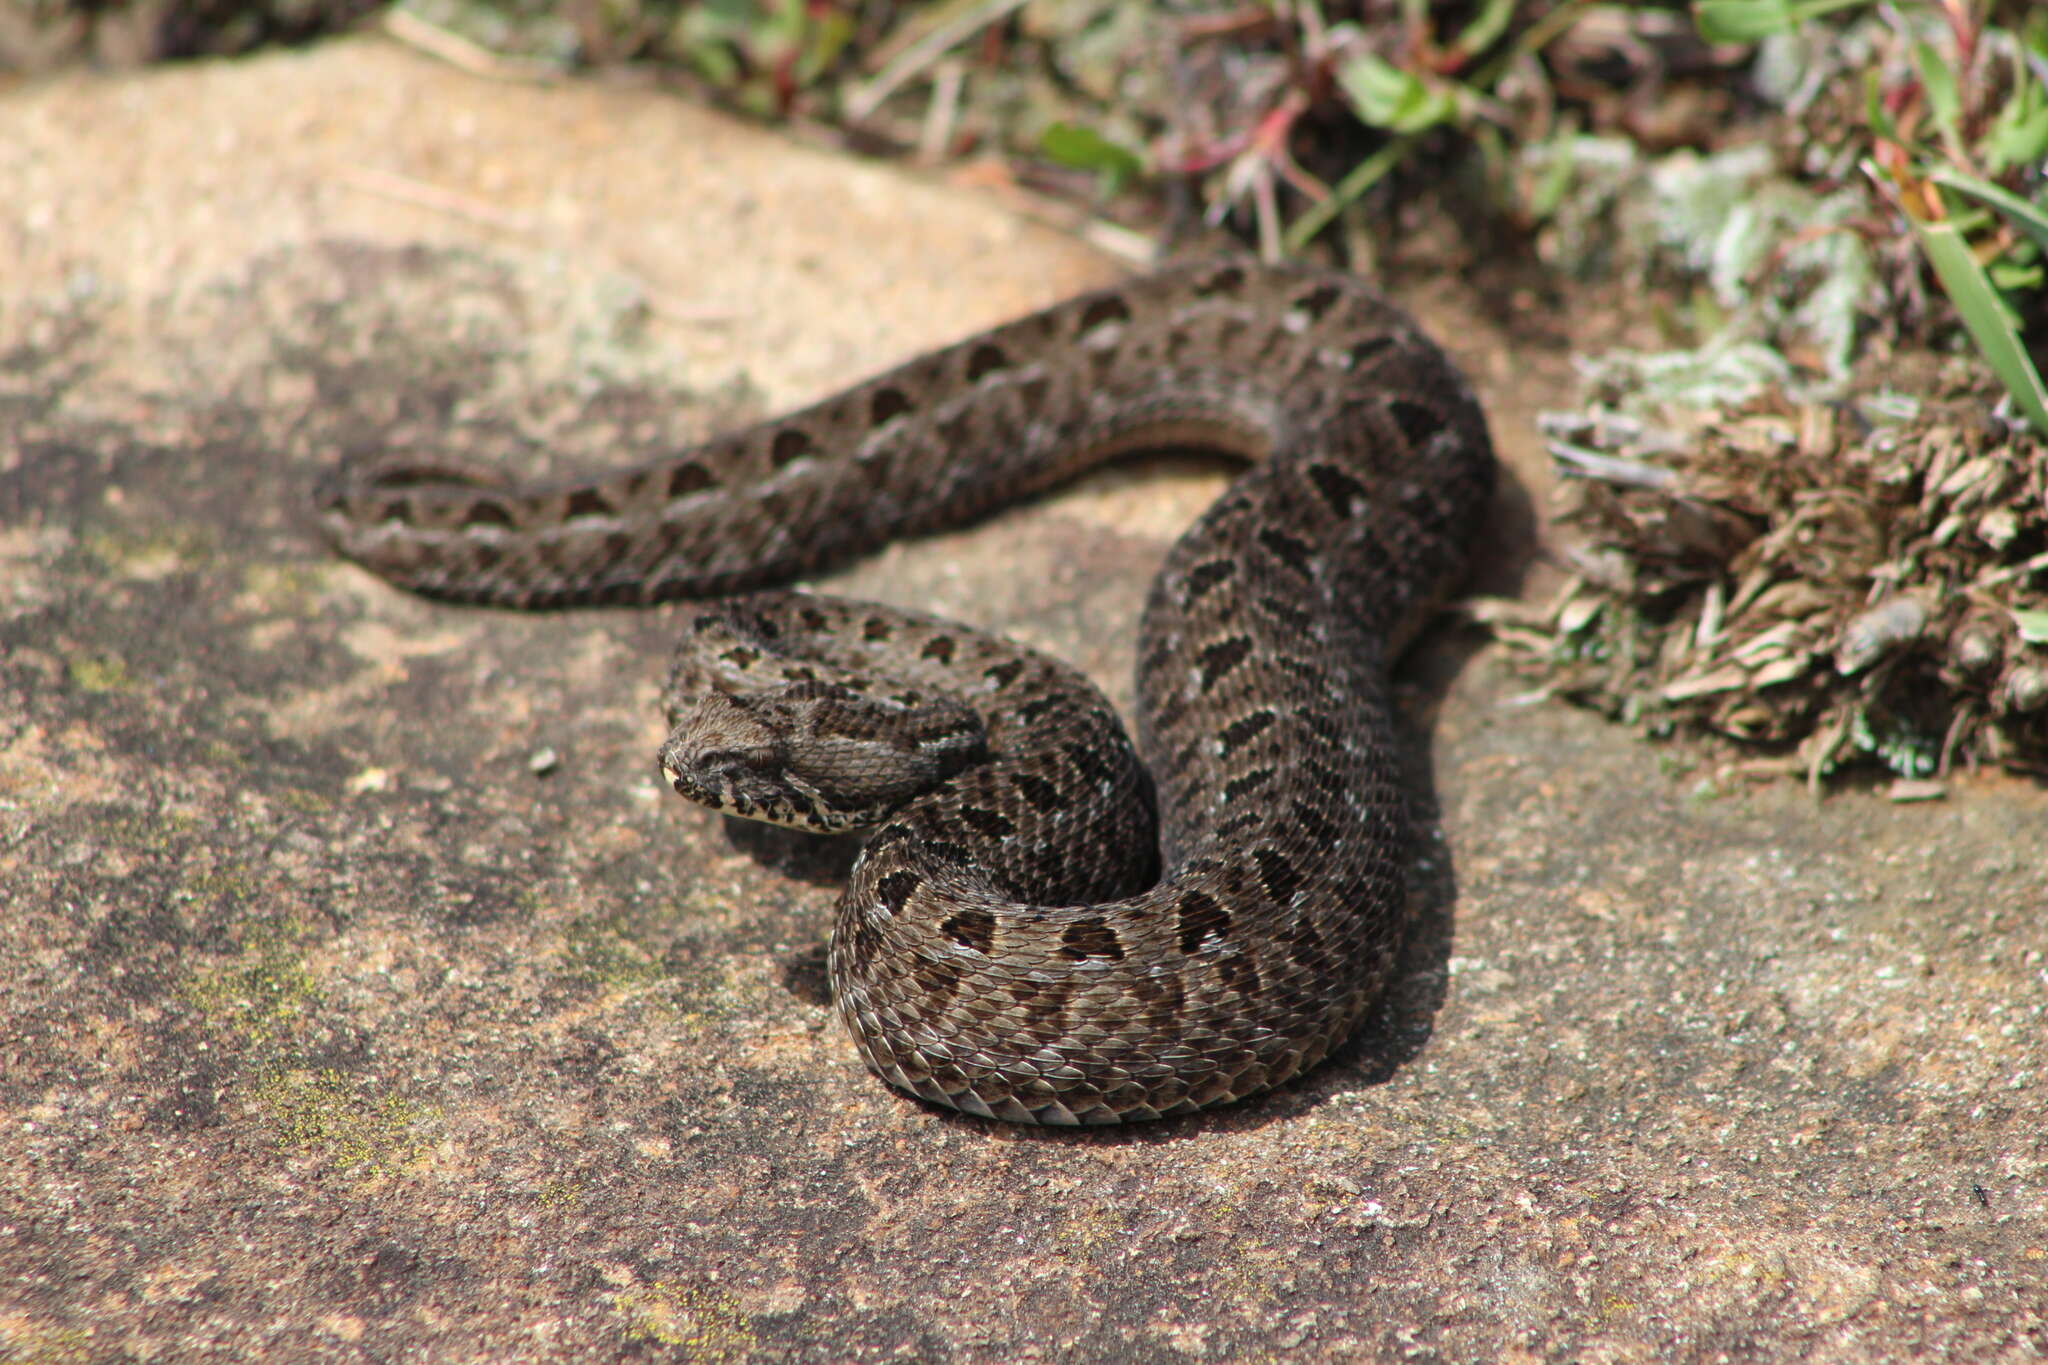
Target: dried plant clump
point(1834, 584)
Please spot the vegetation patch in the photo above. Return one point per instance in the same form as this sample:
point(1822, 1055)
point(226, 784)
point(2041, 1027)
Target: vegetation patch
point(263, 993)
point(1836, 583)
point(602, 951)
point(342, 1120)
point(100, 673)
point(703, 1326)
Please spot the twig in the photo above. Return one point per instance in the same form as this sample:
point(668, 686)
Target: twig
point(1580, 461)
point(866, 99)
point(943, 114)
point(418, 193)
point(458, 51)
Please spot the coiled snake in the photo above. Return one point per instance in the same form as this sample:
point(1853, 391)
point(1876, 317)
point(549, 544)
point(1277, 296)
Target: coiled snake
point(1016, 939)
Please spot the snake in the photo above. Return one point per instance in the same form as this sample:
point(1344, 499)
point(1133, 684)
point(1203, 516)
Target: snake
point(1050, 922)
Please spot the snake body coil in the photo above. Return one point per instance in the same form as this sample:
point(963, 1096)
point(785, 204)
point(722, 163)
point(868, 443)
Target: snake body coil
point(1017, 940)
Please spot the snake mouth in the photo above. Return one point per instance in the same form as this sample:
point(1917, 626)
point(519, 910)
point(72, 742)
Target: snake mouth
point(726, 797)
point(720, 794)
point(688, 787)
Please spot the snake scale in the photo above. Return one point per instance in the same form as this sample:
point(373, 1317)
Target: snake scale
point(1022, 936)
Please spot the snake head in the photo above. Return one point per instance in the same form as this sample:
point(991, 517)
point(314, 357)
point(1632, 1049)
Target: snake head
point(724, 755)
point(816, 756)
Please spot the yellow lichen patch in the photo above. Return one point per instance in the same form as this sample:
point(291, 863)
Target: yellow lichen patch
point(221, 752)
point(601, 952)
point(260, 994)
point(1615, 1308)
point(713, 996)
point(33, 1343)
point(147, 558)
point(560, 1192)
point(628, 968)
point(705, 1325)
point(1096, 1227)
point(234, 883)
point(327, 1114)
point(1248, 1278)
point(305, 802)
point(280, 587)
point(100, 673)
point(153, 832)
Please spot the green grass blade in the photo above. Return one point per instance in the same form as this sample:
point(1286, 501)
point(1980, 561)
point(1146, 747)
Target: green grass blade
point(1747, 21)
point(1874, 112)
point(1984, 316)
point(2027, 217)
point(1943, 103)
point(1084, 149)
point(1486, 26)
point(1357, 181)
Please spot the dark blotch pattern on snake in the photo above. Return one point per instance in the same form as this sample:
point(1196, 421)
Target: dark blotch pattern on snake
point(1020, 938)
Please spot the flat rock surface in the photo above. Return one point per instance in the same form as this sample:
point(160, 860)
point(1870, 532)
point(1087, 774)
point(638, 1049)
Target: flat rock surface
point(364, 995)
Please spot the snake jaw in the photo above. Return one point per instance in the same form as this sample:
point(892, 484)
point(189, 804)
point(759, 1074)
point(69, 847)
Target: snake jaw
point(731, 787)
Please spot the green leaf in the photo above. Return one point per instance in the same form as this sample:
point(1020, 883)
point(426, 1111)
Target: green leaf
point(1486, 26)
point(1739, 21)
point(1385, 96)
point(1874, 112)
point(2018, 134)
point(1942, 101)
point(2028, 217)
point(1984, 316)
point(1084, 149)
point(2033, 626)
point(2010, 277)
point(1747, 21)
point(1556, 180)
point(2017, 141)
point(830, 31)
